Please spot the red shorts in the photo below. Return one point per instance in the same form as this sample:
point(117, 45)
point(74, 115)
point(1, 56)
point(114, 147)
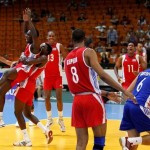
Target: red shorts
point(88, 111)
point(22, 73)
point(24, 96)
point(52, 82)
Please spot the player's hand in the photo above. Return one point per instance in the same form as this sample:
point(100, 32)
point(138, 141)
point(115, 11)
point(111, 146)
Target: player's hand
point(27, 14)
point(120, 80)
point(129, 95)
point(13, 64)
point(135, 73)
point(115, 97)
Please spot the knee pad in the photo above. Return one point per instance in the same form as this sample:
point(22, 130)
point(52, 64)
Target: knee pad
point(99, 143)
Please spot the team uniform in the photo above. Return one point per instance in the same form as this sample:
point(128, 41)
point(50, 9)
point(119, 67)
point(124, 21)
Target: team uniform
point(53, 70)
point(129, 65)
point(24, 71)
point(88, 107)
point(27, 87)
point(137, 116)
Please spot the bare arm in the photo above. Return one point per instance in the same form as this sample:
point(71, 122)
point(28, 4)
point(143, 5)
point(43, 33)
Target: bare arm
point(116, 68)
point(5, 61)
point(64, 52)
point(143, 63)
point(28, 25)
point(91, 60)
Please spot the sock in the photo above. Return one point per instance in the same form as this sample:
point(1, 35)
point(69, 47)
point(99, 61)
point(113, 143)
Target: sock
point(32, 112)
point(41, 126)
point(1, 115)
point(60, 114)
point(25, 135)
point(99, 143)
point(49, 115)
point(135, 140)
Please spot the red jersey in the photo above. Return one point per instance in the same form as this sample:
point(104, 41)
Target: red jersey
point(81, 78)
point(54, 66)
point(129, 65)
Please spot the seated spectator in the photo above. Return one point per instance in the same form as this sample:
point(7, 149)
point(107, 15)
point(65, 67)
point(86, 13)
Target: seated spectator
point(73, 5)
point(140, 33)
point(147, 4)
point(100, 48)
point(50, 18)
point(141, 21)
point(132, 38)
point(43, 13)
point(123, 51)
point(147, 32)
point(35, 16)
point(125, 21)
point(110, 11)
point(83, 4)
point(114, 20)
point(101, 27)
point(112, 37)
point(63, 18)
point(82, 17)
point(89, 42)
point(39, 89)
point(104, 60)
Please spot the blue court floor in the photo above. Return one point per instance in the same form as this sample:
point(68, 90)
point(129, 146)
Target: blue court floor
point(113, 111)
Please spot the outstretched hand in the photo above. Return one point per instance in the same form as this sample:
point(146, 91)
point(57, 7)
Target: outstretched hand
point(129, 95)
point(27, 14)
point(115, 97)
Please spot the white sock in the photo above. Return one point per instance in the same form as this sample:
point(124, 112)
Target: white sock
point(60, 114)
point(25, 135)
point(1, 115)
point(32, 112)
point(49, 115)
point(135, 140)
point(42, 127)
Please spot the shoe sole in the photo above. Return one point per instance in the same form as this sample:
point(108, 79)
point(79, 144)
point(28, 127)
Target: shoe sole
point(22, 145)
point(50, 137)
point(1, 126)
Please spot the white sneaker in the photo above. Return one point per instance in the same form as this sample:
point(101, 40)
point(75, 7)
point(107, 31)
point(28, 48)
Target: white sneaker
point(31, 123)
point(49, 136)
point(49, 123)
point(2, 124)
point(40, 99)
point(62, 126)
point(23, 143)
point(16, 124)
point(126, 145)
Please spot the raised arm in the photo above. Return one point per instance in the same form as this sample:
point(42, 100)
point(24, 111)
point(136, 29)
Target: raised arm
point(5, 61)
point(28, 25)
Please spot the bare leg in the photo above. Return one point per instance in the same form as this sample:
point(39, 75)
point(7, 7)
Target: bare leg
point(59, 99)
point(82, 138)
point(47, 94)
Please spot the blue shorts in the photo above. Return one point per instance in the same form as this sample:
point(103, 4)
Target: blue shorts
point(134, 118)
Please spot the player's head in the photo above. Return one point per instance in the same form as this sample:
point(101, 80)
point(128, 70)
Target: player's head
point(45, 48)
point(78, 36)
point(140, 47)
point(51, 37)
point(131, 48)
point(28, 36)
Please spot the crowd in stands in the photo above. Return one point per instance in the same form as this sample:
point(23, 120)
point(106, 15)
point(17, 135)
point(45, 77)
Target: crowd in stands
point(112, 30)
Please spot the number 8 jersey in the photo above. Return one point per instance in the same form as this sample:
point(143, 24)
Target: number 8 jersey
point(81, 78)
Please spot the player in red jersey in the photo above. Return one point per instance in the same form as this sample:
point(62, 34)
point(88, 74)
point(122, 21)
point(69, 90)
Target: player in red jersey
point(81, 68)
point(20, 72)
point(142, 52)
point(23, 103)
point(53, 79)
point(130, 64)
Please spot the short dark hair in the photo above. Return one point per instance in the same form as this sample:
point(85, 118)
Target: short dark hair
point(78, 35)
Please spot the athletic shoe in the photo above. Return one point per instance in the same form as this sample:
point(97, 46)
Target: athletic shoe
point(126, 145)
point(23, 143)
point(16, 124)
point(40, 99)
point(2, 124)
point(62, 126)
point(49, 123)
point(49, 136)
point(31, 123)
